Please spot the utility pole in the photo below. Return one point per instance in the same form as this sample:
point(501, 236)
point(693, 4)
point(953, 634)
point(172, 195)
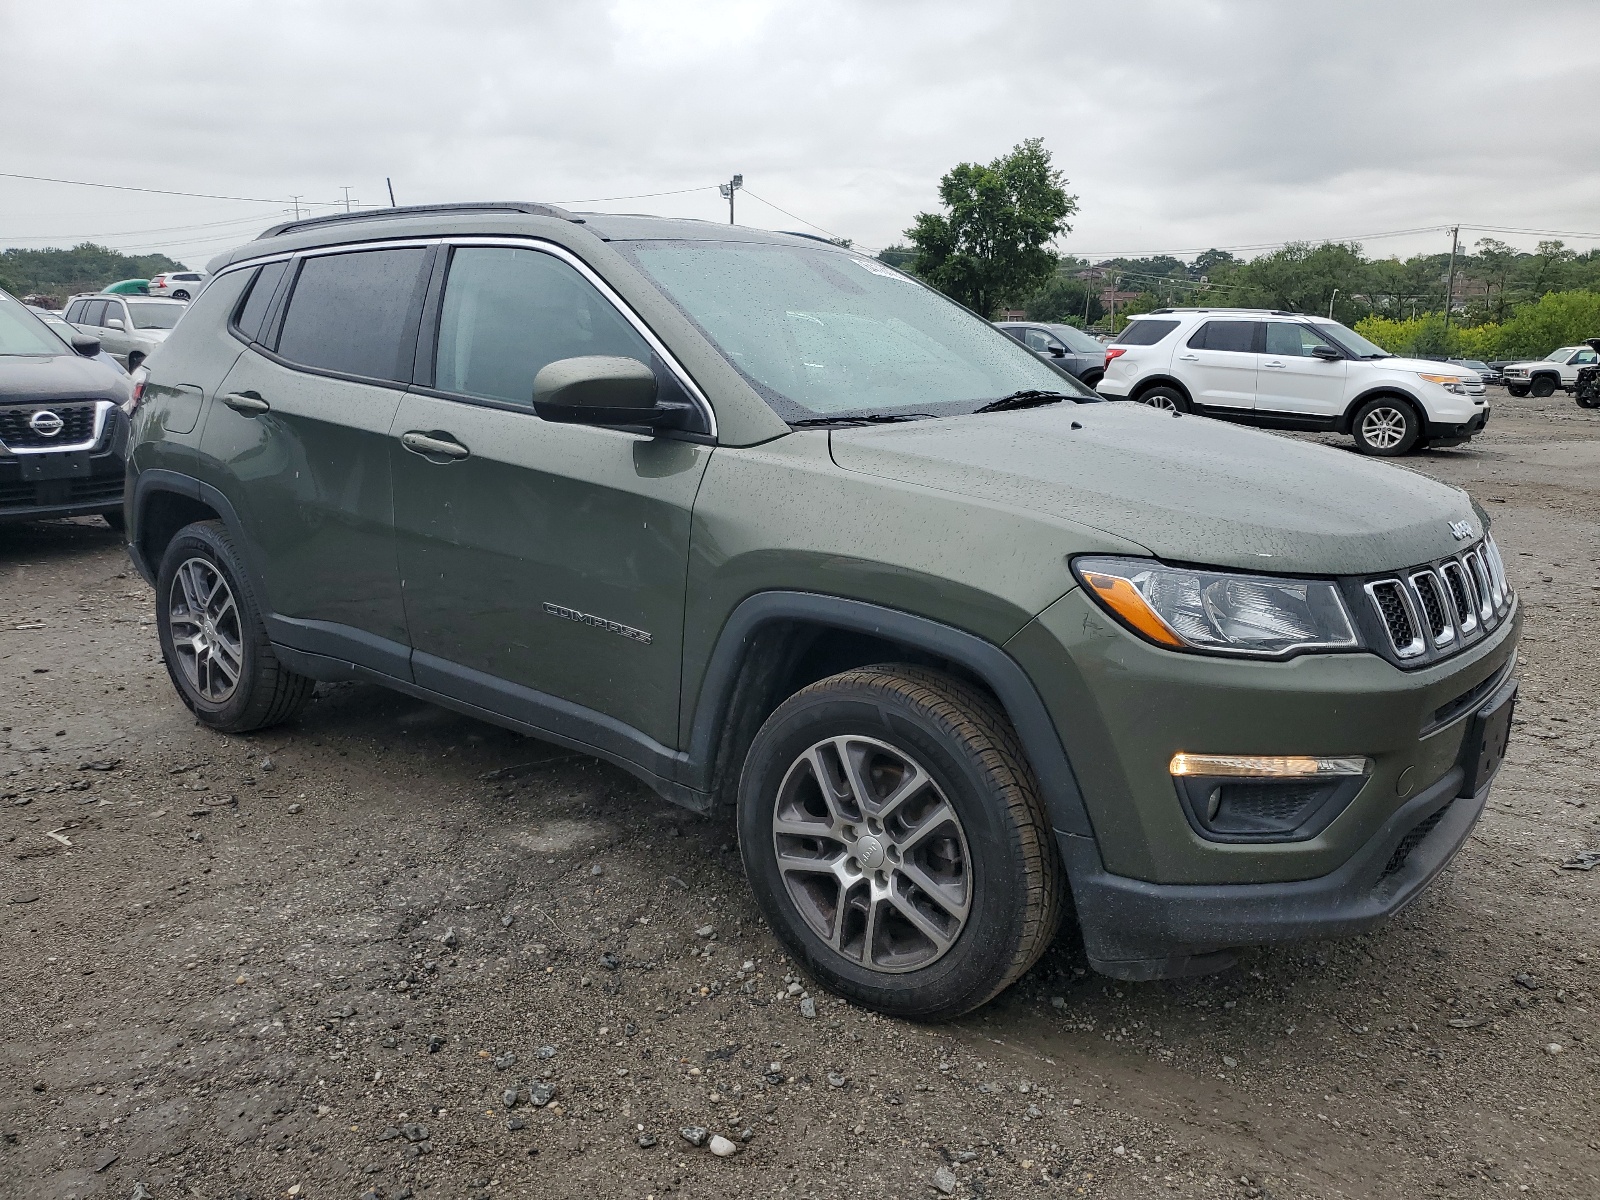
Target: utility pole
point(727, 190)
point(390, 182)
point(1331, 299)
point(1450, 278)
point(347, 199)
point(1113, 303)
point(296, 200)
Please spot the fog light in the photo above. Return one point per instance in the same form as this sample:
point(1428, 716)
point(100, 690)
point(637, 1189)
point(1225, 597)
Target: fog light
point(1274, 798)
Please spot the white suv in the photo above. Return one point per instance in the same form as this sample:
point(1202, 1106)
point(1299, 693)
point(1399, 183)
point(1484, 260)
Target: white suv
point(178, 285)
point(1290, 371)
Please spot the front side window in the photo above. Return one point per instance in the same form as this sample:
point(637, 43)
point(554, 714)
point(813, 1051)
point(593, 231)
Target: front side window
point(1236, 336)
point(1077, 340)
point(509, 312)
point(826, 333)
point(1294, 341)
point(112, 313)
point(23, 333)
point(355, 313)
point(154, 316)
point(1038, 339)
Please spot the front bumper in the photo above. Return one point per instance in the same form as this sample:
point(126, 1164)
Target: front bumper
point(1138, 930)
point(1443, 433)
point(100, 491)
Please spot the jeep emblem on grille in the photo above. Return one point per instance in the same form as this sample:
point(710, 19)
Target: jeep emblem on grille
point(1461, 529)
point(45, 423)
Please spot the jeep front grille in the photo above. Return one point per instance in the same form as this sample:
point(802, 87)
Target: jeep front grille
point(1437, 608)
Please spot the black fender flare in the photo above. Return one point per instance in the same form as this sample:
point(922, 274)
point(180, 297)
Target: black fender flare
point(1008, 681)
point(159, 479)
point(1348, 417)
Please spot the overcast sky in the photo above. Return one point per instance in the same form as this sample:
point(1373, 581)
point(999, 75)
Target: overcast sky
point(1179, 125)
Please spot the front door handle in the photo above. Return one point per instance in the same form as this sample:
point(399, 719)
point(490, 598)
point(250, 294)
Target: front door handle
point(433, 447)
point(1188, 358)
point(1273, 363)
point(248, 403)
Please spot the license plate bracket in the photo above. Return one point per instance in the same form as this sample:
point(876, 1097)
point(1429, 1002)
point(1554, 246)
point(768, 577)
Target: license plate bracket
point(39, 468)
point(1487, 738)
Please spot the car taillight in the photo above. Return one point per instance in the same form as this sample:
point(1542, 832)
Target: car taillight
point(131, 405)
point(1115, 352)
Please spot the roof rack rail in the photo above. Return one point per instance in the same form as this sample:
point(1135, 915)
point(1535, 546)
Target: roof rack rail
point(421, 210)
point(1271, 312)
point(815, 237)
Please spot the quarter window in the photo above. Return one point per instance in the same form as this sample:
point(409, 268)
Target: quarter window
point(508, 312)
point(355, 314)
point(254, 310)
point(74, 313)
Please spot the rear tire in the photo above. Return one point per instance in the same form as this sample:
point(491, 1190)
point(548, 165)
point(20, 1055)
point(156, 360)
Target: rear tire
point(213, 639)
point(1168, 399)
point(180, 295)
point(1091, 379)
point(1386, 426)
point(924, 880)
point(1543, 386)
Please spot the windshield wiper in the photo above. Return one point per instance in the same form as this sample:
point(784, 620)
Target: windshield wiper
point(1026, 398)
point(868, 419)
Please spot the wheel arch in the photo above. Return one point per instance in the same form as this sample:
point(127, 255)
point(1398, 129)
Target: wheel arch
point(774, 643)
point(163, 502)
point(1348, 417)
point(1155, 381)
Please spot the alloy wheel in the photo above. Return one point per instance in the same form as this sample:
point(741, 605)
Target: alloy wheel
point(872, 854)
point(207, 639)
point(1162, 401)
point(1384, 427)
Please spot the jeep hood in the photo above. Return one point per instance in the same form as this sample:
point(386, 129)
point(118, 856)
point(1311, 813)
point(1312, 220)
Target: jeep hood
point(1188, 489)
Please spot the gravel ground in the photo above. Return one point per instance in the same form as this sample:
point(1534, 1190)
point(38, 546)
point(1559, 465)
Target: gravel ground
point(390, 951)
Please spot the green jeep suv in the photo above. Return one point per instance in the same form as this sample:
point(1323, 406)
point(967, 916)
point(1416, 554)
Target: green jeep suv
point(775, 527)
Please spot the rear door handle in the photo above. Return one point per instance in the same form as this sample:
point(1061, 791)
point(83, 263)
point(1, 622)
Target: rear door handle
point(248, 403)
point(433, 447)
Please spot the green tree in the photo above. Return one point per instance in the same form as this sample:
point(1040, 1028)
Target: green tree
point(901, 257)
point(992, 242)
point(84, 268)
point(1066, 300)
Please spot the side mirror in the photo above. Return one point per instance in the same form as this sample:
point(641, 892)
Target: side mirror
point(602, 390)
point(1326, 353)
point(114, 323)
point(85, 345)
point(1058, 351)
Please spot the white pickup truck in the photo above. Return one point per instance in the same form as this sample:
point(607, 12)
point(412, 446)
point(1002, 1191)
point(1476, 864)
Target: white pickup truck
point(1558, 369)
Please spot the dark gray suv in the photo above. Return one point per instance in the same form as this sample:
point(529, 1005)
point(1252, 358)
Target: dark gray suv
point(1069, 348)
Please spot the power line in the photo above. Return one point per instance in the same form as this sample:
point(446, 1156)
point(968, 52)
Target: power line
point(792, 216)
point(637, 196)
point(1550, 232)
point(120, 187)
point(1360, 237)
point(33, 237)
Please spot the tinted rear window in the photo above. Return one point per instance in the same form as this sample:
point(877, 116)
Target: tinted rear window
point(255, 305)
point(1239, 336)
point(355, 313)
point(1145, 333)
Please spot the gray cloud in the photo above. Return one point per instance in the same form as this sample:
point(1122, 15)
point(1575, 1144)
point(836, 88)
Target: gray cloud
point(1180, 124)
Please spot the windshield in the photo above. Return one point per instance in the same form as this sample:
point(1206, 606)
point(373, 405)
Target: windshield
point(828, 333)
point(1560, 355)
point(1350, 341)
point(1076, 339)
point(154, 316)
point(23, 333)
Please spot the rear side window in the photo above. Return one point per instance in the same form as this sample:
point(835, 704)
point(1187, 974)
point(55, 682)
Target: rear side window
point(1238, 336)
point(355, 314)
point(93, 311)
point(509, 312)
point(1145, 333)
point(254, 310)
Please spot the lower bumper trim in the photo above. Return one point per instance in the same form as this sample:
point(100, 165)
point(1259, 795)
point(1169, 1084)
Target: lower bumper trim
point(1133, 929)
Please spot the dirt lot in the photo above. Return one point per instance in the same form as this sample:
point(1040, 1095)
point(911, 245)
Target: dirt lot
point(348, 957)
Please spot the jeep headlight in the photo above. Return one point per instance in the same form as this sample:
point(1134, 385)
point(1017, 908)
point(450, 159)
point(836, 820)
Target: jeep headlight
point(1450, 383)
point(1222, 612)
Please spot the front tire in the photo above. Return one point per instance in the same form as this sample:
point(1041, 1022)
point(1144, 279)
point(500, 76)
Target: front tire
point(1386, 426)
point(896, 842)
point(1520, 391)
point(213, 639)
point(1543, 386)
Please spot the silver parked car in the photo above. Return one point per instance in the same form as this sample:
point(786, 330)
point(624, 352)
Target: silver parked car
point(129, 327)
point(1063, 345)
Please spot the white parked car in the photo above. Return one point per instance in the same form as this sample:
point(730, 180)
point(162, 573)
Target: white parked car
point(178, 285)
point(1291, 371)
point(129, 327)
point(1558, 369)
